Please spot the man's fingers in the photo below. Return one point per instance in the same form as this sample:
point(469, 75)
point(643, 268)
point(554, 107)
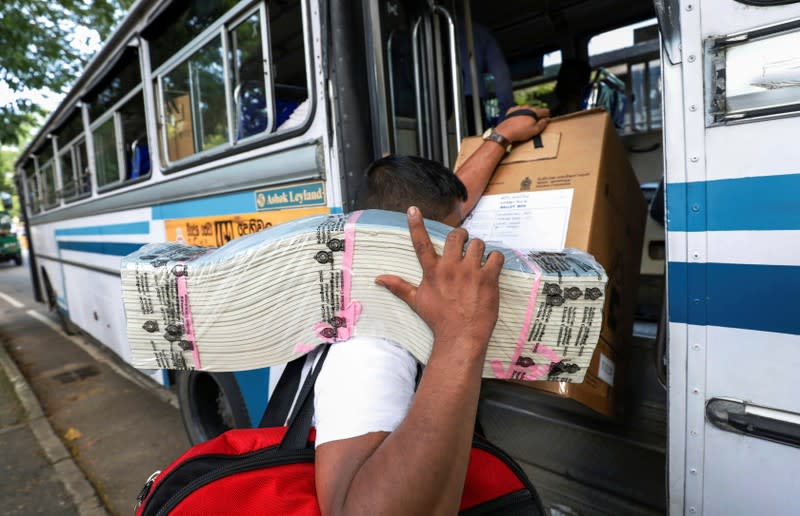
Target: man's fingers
point(399, 287)
point(454, 245)
point(494, 263)
point(542, 112)
point(475, 250)
point(426, 254)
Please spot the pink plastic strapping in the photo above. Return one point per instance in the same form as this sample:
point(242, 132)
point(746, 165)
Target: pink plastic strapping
point(516, 370)
point(347, 261)
point(186, 314)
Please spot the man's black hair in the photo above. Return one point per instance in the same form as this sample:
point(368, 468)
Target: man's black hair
point(396, 182)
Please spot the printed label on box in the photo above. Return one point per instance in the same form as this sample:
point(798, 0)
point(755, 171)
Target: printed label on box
point(524, 220)
point(606, 370)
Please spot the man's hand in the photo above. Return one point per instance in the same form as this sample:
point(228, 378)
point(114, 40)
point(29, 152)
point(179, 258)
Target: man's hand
point(476, 171)
point(523, 128)
point(458, 298)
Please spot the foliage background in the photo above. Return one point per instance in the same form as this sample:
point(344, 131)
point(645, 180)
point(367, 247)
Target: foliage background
point(44, 45)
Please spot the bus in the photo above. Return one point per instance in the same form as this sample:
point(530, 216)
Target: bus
point(195, 118)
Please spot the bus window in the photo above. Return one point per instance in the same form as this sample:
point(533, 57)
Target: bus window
point(194, 101)
point(116, 107)
point(68, 139)
point(32, 185)
point(83, 174)
point(259, 50)
point(288, 64)
point(249, 86)
point(65, 160)
point(106, 161)
point(179, 24)
point(631, 55)
point(47, 173)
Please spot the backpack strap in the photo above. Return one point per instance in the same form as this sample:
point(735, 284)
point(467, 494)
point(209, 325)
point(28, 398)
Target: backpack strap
point(296, 437)
point(282, 397)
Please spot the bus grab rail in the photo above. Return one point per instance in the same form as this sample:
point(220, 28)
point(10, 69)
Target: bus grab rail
point(454, 73)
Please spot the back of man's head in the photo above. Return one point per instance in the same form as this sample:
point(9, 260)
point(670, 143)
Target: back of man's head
point(395, 183)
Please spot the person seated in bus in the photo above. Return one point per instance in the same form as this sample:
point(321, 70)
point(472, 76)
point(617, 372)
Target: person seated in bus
point(383, 448)
point(491, 69)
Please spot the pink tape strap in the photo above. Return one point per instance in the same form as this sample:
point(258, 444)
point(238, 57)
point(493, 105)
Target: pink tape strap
point(524, 368)
point(347, 261)
point(186, 315)
point(342, 325)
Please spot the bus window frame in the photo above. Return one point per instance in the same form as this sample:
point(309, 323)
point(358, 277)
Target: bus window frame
point(40, 173)
point(34, 199)
point(222, 28)
point(73, 149)
point(113, 112)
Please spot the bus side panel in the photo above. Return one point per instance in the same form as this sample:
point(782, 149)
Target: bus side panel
point(734, 242)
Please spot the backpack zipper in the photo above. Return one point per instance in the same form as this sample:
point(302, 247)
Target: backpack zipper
point(146, 489)
point(252, 463)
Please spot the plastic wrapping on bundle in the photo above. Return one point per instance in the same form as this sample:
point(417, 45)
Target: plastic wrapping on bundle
point(267, 298)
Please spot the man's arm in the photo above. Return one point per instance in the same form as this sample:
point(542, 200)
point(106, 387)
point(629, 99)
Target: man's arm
point(478, 169)
point(420, 467)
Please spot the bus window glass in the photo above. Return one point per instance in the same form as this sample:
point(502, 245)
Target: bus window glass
point(249, 87)
point(49, 175)
point(180, 24)
point(106, 161)
point(83, 174)
point(67, 175)
point(288, 64)
point(70, 130)
point(66, 136)
point(134, 138)
point(32, 184)
point(194, 99)
point(121, 79)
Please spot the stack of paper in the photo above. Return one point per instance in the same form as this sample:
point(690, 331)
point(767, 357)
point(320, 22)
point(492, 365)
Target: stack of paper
point(267, 298)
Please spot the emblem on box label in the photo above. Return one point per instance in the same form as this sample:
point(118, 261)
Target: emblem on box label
point(525, 184)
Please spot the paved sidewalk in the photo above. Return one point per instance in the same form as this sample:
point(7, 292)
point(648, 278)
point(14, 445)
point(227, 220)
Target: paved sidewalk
point(39, 475)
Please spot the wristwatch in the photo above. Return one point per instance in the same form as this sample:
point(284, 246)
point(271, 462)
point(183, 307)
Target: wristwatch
point(491, 135)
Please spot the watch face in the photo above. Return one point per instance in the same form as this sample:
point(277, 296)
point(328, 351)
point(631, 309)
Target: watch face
point(487, 133)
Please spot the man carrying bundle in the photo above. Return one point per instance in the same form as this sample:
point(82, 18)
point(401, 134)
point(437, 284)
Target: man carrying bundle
point(385, 445)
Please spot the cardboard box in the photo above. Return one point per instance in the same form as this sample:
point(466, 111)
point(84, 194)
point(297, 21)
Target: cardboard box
point(600, 388)
point(180, 142)
point(588, 198)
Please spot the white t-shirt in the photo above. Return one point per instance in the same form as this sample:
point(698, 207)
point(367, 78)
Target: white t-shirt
point(365, 385)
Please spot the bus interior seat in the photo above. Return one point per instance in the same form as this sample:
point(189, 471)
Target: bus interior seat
point(140, 159)
point(253, 117)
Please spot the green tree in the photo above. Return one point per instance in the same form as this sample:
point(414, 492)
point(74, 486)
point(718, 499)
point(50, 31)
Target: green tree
point(7, 157)
point(41, 50)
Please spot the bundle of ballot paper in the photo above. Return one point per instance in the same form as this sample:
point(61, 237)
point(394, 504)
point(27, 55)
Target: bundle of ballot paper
point(272, 296)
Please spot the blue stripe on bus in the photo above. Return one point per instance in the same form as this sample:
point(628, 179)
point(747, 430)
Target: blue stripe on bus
point(110, 248)
point(228, 204)
point(254, 386)
point(750, 203)
point(130, 228)
point(753, 297)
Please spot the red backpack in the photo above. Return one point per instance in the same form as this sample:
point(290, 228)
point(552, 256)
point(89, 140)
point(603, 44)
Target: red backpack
point(271, 470)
